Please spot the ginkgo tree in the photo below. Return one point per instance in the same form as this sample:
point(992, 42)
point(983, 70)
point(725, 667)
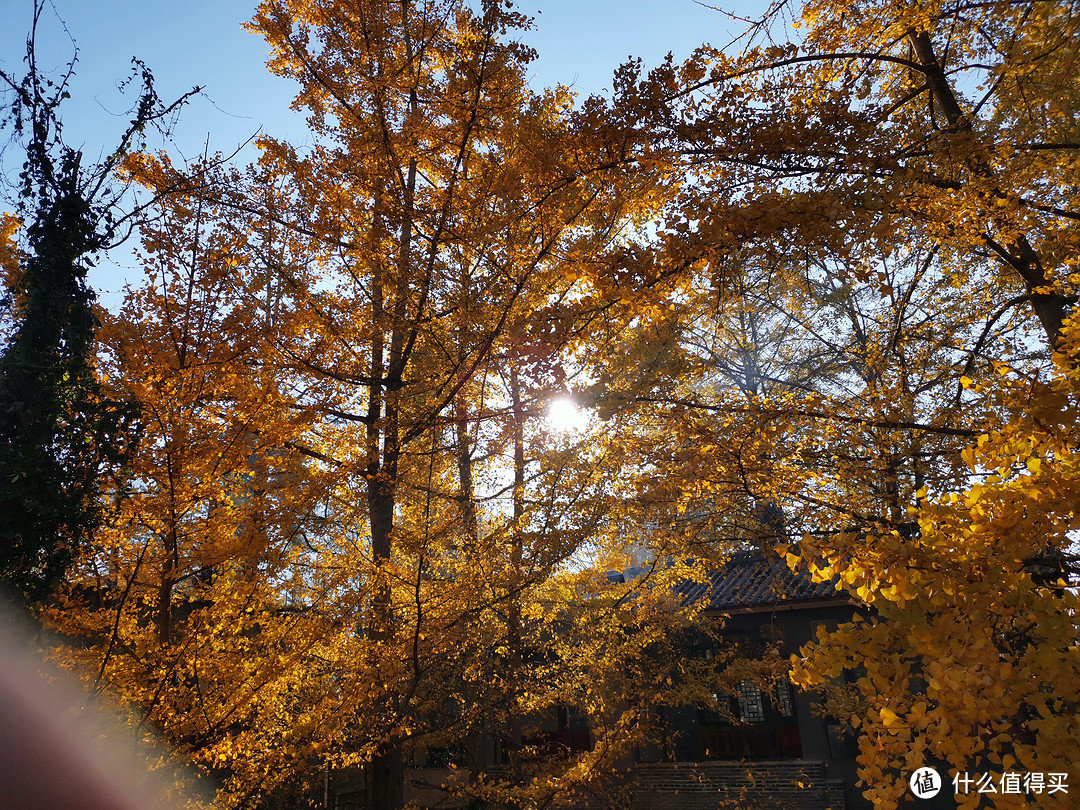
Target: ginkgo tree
point(440, 197)
point(197, 605)
point(922, 155)
point(333, 349)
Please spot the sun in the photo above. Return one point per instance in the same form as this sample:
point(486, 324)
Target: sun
point(563, 415)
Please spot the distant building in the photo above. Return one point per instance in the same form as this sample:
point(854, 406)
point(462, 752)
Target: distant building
point(765, 603)
point(770, 751)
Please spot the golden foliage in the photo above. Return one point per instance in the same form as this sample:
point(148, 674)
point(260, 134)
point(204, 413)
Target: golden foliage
point(810, 292)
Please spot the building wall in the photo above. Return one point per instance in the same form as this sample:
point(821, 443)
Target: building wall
point(701, 736)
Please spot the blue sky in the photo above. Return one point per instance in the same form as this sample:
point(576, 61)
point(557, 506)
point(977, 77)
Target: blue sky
point(200, 42)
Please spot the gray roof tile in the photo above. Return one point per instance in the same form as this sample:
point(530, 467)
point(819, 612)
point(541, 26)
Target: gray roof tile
point(752, 579)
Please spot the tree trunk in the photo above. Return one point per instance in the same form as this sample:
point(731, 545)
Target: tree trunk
point(514, 628)
point(1050, 308)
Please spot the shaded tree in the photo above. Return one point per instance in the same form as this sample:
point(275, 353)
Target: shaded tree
point(60, 438)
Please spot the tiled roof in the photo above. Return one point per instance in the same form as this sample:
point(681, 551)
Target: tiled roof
point(752, 579)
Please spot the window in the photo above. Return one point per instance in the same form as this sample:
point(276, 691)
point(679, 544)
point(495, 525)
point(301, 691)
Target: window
point(785, 703)
point(751, 704)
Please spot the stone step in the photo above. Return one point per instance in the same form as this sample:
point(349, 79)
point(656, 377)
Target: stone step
point(735, 786)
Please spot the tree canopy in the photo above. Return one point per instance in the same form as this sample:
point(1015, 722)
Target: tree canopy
point(815, 295)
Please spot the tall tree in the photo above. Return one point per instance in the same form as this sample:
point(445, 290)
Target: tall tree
point(59, 437)
point(442, 197)
point(398, 269)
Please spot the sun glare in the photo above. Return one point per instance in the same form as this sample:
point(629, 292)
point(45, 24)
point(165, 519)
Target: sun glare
point(564, 415)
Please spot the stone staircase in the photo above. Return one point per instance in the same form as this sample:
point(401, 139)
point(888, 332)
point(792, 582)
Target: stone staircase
point(788, 785)
point(717, 785)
